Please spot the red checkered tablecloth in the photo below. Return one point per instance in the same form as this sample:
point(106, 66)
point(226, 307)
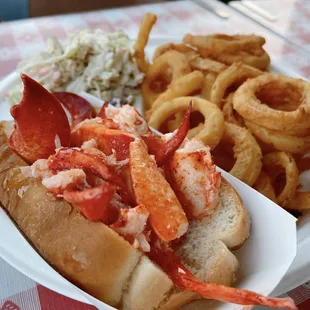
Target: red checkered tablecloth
point(288, 18)
point(20, 39)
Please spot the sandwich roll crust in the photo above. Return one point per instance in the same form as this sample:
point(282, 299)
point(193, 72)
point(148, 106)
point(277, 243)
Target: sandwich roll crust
point(206, 247)
point(89, 254)
point(148, 287)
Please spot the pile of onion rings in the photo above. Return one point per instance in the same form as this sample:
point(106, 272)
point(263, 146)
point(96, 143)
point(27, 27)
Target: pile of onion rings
point(230, 49)
point(256, 123)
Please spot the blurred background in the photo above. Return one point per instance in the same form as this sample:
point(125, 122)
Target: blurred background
point(18, 9)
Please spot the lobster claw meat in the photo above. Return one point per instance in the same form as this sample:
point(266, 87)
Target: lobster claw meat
point(40, 123)
point(68, 158)
point(194, 179)
point(110, 132)
point(127, 117)
point(151, 189)
point(171, 264)
point(78, 107)
point(132, 221)
point(107, 137)
point(94, 203)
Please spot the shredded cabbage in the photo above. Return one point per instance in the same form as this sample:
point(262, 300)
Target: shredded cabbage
point(92, 61)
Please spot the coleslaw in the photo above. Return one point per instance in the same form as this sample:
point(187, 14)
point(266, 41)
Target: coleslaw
point(91, 61)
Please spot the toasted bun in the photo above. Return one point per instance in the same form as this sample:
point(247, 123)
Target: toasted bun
point(89, 254)
point(101, 262)
point(148, 287)
point(205, 251)
point(229, 222)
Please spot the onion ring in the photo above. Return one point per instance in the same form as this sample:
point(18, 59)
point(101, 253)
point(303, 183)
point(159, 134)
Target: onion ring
point(272, 162)
point(196, 61)
point(230, 49)
point(230, 115)
point(206, 65)
point(222, 43)
point(176, 61)
point(279, 140)
point(247, 153)
point(207, 86)
point(250, 107)
point(181, 48)
point(194, 132)
point(260, 61)
point(223, 156)
point(264, 185)
point(184, 86)
point(237, 73)
point(210, 132)
point(303, 164)
point(149, 96)
point(173, 60)
point(146, 26)
point(301, 201)
point(173, 124)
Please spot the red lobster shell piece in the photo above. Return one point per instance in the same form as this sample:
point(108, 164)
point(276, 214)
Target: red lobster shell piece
point(40, 123)
point(169, 147)
point(78, 107)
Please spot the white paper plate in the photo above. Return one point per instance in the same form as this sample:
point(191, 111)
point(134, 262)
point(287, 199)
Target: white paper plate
point(264, 259)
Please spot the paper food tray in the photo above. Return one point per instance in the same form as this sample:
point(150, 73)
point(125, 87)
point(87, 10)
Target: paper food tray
point(264, 259)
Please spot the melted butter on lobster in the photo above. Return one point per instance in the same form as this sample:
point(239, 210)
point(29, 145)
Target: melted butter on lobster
point(114, 174)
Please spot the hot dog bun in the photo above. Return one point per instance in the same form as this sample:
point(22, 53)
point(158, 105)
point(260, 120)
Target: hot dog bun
point(87, 253)
point(206, 248)
point(98, 260)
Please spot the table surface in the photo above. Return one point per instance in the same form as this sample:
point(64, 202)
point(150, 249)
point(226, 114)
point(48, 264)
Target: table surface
point(288, 18)
point(23, 38)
